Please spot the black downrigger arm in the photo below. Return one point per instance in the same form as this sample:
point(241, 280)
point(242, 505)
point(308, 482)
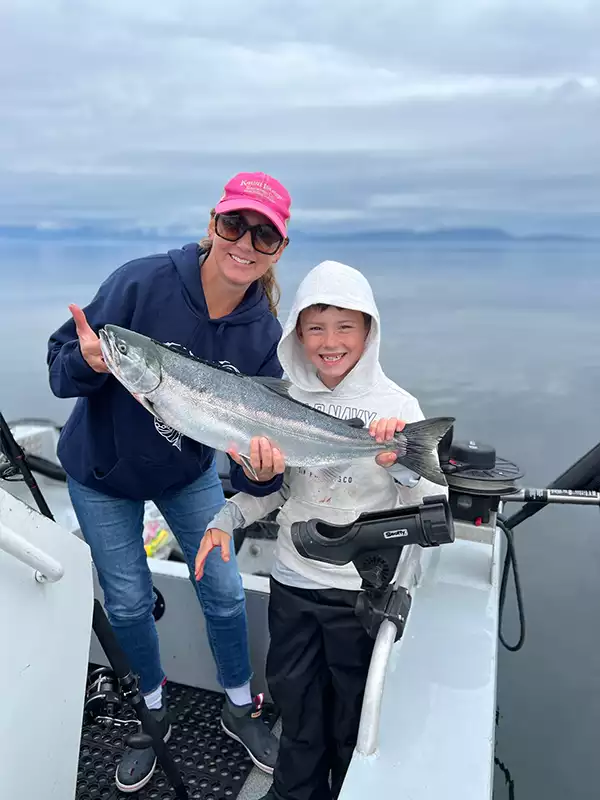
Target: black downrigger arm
point(374, 544)
point(582, 477)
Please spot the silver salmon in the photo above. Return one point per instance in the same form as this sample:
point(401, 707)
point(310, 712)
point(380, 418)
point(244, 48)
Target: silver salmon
point(220, 407)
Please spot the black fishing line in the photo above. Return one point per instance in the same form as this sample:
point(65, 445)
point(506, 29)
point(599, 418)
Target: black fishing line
point(507, 777)
point(510, 559)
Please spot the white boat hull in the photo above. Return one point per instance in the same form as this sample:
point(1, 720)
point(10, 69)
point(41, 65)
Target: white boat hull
point(431, 730)
point(45, 633)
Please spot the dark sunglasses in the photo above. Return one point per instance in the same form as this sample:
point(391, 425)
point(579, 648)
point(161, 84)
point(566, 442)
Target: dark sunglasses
point(266, 239)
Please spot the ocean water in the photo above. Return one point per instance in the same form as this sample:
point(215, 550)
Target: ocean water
point(506, 337)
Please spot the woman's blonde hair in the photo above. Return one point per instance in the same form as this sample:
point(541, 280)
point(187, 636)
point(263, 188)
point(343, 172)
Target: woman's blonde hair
point(268, 280)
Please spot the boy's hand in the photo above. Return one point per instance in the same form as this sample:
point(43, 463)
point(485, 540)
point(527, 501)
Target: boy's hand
point(89, 343)
point(214, 537)
point(266, 460)
point(383, 430)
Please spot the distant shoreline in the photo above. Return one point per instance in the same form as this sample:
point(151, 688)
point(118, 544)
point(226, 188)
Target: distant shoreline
point(400, 236)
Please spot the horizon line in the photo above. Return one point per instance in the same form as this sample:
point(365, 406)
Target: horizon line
point(147, 232)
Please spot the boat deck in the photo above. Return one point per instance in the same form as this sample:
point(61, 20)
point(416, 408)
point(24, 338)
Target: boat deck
point(213, 766)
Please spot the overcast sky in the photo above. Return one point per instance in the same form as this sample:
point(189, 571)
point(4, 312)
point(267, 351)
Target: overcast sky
point(388, 113)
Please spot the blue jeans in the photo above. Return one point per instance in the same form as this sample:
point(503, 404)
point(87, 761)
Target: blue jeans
point(112, 527)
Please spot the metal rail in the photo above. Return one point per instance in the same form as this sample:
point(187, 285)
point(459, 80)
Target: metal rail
point(368, 731)
point(47, 569)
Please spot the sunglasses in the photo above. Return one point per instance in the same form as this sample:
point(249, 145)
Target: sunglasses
point(266, 239)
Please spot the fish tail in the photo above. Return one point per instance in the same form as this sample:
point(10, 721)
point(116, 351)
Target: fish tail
point(418, 449)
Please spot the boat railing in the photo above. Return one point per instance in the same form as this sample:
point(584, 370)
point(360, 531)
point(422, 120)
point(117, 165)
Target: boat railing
point(47, 569)
point(368, 732)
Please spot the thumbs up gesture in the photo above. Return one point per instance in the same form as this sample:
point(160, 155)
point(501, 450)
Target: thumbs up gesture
point(89, 343)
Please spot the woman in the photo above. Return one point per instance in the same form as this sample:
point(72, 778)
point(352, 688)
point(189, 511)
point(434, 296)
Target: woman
point(218, 301)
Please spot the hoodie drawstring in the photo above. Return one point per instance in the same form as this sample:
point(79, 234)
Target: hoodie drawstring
point(211, 344)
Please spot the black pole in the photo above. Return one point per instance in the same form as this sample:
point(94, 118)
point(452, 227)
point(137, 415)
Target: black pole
point(131, 693)
point(14, 453)
point(583, 474)
point(102, 629)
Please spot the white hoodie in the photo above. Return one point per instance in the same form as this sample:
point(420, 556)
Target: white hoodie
point(366, 392)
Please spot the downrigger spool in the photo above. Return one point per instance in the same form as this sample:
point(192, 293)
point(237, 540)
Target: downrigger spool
point(477, 478)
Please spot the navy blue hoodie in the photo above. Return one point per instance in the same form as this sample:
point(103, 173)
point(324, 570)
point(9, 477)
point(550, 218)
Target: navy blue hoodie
point(110, 442)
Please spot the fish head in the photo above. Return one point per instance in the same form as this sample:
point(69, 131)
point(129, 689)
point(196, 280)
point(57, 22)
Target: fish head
point(132, 358)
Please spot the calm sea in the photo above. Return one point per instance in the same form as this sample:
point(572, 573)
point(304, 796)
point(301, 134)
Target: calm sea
point(504, 337)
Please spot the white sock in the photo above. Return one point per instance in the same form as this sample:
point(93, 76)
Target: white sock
point(240, 696)
point(154, 699)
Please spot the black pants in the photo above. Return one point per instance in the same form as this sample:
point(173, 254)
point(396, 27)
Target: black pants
point(316, 670)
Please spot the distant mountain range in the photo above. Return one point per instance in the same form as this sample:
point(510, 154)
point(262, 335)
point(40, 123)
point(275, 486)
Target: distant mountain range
point(95, 233)
point(449, 235)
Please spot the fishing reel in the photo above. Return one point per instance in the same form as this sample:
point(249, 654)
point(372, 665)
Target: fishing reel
point(103, 698)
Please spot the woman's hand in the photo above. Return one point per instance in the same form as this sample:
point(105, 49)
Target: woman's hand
point(214, 537)
point(265, 459)
point(383, 430)
point(89, 343)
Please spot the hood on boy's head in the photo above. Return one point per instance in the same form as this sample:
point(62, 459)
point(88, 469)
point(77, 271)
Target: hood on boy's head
point(338, 285)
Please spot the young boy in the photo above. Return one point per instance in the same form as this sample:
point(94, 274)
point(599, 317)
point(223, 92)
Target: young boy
point(319, 653)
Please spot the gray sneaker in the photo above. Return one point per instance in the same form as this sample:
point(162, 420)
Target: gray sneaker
point(246, 725)
point(139, 761)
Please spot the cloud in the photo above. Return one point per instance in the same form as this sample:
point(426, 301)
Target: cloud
point(383, 113)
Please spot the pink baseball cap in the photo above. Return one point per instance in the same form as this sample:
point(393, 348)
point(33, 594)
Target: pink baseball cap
point(259, 192)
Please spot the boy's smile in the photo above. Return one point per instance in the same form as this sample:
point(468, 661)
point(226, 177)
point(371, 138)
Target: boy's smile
point(333, 340)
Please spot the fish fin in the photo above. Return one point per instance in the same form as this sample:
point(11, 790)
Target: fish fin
point(275, 384)
point(355, 422)
point(246, 462)
point(143, 401)
point(150, 407)
point(419, 447)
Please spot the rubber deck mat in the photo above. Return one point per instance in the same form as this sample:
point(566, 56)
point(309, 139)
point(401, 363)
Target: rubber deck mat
point(213, 766)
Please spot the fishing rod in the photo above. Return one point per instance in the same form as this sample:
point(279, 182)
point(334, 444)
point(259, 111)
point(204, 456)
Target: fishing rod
point(15, 456)
point(128, 680)
point(9, 469)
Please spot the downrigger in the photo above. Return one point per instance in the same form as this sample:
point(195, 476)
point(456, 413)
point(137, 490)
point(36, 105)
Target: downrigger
point(480, 483)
